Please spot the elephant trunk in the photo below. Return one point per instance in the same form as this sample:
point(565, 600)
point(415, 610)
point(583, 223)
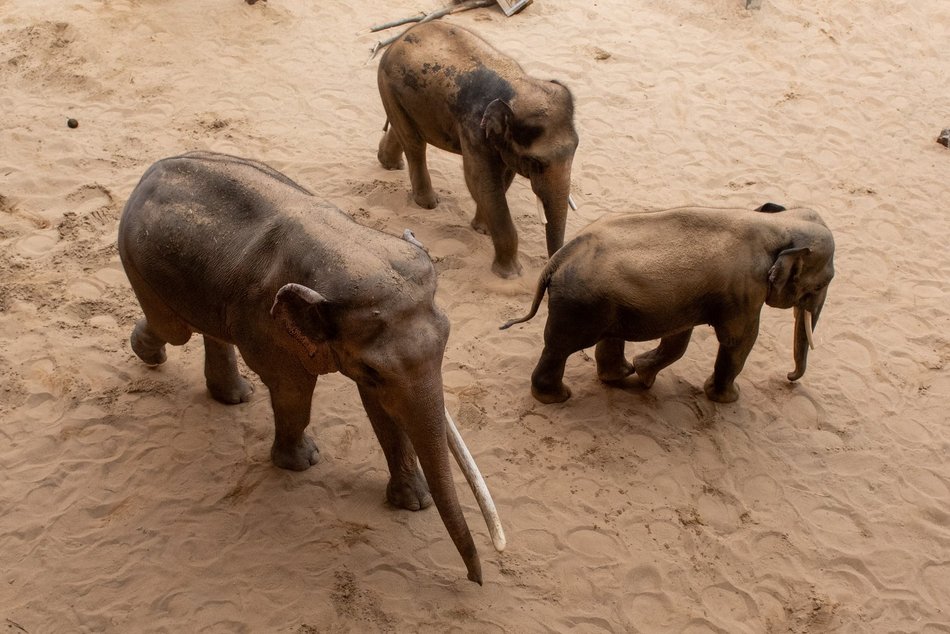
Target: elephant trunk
point(806, 316)
point(434, 459)
point(553, 189)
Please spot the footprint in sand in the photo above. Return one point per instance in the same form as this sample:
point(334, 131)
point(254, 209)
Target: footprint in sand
point(37, 244)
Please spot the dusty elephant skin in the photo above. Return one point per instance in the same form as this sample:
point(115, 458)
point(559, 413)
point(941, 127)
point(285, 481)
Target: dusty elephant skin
point(639, 277)
point(233, 250)
point(444, 86)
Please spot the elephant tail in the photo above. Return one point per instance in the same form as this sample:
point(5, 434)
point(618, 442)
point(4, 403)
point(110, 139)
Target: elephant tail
point(543, 281)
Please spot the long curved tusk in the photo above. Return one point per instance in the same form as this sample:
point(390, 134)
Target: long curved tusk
point(467, 464)
point(808, 330)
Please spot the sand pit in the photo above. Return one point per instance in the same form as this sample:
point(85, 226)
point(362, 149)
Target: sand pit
point(131, 501)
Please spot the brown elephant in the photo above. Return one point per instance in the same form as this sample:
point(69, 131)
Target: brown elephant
point(638, 277)
point(236, 251)
point(444, 86)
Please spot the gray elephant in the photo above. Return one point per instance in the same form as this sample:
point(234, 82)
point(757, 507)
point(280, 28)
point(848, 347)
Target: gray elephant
point(444, 86)
point(236, 251)
point(639, 277)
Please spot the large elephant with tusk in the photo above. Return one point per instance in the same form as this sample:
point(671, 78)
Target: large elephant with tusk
point(443, 85)
point(656, 275)
point(236, 251)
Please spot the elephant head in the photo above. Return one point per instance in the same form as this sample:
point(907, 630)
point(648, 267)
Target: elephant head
point(535, 136)
point(391, 344)
point(800, 274)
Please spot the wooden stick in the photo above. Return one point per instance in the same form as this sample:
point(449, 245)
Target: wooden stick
point(400, 22)
point(462, 6)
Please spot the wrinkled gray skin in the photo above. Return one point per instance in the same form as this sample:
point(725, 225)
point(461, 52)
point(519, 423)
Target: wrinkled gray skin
point(639, 277)
point(233, 250)
point(444, 86)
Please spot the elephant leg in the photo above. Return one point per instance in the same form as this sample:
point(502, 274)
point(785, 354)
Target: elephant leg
point(611, 365)
point(487, 182)
point(407, 487)
point(147, 344)
point(735, 344)
point(479, 222)
point(290, 400)
point(422, 191)
point(159, 326)
point(571, 326)
point(221, 373)
point(404, 135)
point(547, 380)
point(671, 348)
point(390, 150)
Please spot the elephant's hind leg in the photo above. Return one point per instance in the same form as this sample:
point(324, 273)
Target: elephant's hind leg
point(221, 373)
point(611, 365)
point(146, 344)
point(160, 325)
point(404, 134)
point(390, 150)
point(570, 327)
point(547, 380)
point(671, 348)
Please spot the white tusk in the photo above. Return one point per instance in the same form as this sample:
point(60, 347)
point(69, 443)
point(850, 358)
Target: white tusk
point(541, 215)
point(571, 203)
point(474, 477)
point(808, 330)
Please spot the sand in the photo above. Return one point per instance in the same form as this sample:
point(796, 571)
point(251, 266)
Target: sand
point(130, 501)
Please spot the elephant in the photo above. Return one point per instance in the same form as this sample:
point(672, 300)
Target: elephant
point(656, 275)
point(234, 250)
point(444, 86)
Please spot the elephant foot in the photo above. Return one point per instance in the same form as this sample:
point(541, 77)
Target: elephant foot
point(390, 163)
point(426, 200)
point(389, 151)
point(412, 494)
point(506, 271)
point(729, 395)
point(147, 346)
point(556, 395)
point(480, 226)
point(646, 376)
point(615, 373)
point(232, 392)
point(297, 457)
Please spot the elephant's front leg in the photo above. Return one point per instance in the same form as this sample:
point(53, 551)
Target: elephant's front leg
point(488, 180)
point(407, 487)
point(290, 397)
point(735, 343)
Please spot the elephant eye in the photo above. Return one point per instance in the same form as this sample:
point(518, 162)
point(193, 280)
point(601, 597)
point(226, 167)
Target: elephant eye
point(371, 375)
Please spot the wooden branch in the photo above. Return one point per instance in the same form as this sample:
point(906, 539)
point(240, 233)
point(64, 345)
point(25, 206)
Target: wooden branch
point(462, 6)
point(389, 25)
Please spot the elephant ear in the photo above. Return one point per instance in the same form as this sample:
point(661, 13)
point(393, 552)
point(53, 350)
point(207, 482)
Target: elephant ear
point(496, 120)
point(303, 314)
point(785, 270)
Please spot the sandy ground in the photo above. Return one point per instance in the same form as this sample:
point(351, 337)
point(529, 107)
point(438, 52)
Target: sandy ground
point(130, 501)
